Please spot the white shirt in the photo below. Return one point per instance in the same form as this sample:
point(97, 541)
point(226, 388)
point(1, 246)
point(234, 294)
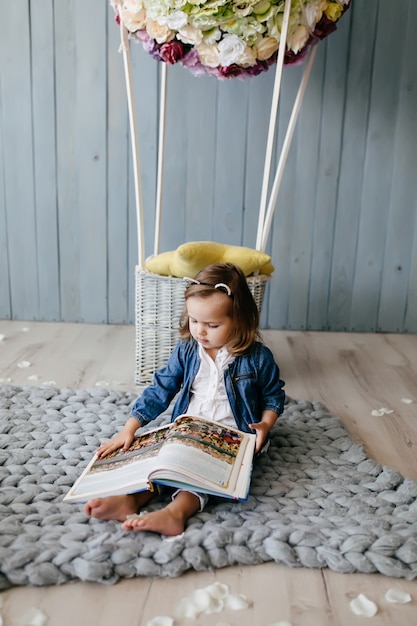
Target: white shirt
point(208, 393)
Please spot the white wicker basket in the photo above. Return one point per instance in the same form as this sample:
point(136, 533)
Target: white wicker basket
point(159, 304)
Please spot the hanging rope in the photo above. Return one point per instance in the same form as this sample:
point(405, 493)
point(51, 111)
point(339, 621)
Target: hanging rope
point(284, 151)
point(134, 138)
point(161, 155)
point(272, 122)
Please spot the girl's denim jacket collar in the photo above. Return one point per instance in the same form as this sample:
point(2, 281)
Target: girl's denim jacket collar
point(252, 384)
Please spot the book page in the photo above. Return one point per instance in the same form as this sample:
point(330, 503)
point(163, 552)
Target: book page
point(206, 453)
point(121, 471)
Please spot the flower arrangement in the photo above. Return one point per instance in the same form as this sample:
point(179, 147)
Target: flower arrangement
point(227, 38)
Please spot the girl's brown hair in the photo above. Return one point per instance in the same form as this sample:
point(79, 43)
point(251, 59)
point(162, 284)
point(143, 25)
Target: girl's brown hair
point(243, 309)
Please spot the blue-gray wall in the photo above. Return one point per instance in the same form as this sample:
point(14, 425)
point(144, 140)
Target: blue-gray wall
point(344, 237)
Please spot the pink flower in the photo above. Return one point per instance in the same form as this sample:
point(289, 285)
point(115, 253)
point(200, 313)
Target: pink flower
point(257, 69)
point(296, 59)
point(142, 36)
point(231, 71)
point(324, 27)
point(149, 44)
point(172, 52)
point(192, 61)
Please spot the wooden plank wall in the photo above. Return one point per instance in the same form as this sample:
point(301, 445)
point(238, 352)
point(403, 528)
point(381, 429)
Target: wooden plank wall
point(344, 235)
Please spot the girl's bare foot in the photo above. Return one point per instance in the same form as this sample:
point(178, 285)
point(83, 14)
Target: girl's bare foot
point(117, 507)
point(162, 521)
point(169, 520)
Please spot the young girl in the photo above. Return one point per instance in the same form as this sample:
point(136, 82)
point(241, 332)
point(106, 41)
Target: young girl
point(220, 371)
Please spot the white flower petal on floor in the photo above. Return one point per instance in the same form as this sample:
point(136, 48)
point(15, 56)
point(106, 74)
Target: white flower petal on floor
point(33, 378)
point(5, 380)
point(236, 602)
point(32, 617)
point(24, 364)
point(205, 602)
point(2, 337)
point(211, 599)
point(361, 605)
point(281, 624)
point(187, 608)
point(218, 590)
point(102, 383)
point(397, 596)
point(382, 411)
point(407, 400)
point(161, 620)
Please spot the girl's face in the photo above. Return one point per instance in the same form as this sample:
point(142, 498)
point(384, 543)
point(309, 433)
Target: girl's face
point(210, 320)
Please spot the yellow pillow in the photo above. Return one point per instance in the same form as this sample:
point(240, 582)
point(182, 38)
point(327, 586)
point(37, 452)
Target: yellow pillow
point(189, 258)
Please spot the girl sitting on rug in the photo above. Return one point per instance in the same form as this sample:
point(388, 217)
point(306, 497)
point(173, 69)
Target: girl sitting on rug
point(221, 372)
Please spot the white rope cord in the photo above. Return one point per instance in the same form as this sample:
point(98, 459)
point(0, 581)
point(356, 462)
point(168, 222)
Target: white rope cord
point(272, 122)
point(134, 141)
point(161, 156)
point(285, 148)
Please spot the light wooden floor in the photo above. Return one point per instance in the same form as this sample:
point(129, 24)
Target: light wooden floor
point(351, 373)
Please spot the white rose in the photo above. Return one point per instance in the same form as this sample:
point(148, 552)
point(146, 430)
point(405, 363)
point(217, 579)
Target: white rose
point(266, 47)
point(156, 10)
point(297, 39)
point(174, 21)
point(159, 32)
point(248, 58)
point(231, 49)
point(133, 15)
point(209, 55)
point(204, 22)
point(314, 13)
point(189, 34)
point(175, 4)
point(131, 5)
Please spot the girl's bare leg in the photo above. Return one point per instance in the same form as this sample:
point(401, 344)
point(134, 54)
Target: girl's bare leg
point(170, 520)
point(117, 507)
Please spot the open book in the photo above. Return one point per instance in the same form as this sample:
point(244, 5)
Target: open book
point(190, 453)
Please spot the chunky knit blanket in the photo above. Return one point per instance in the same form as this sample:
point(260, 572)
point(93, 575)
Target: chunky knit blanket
point(316, 500)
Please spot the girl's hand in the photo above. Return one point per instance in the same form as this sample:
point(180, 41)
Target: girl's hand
point(263, 427)
point(261, 430)
point(121, 440)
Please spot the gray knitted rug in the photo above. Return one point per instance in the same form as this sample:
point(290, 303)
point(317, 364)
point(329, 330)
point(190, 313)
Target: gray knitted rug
point(316, 500)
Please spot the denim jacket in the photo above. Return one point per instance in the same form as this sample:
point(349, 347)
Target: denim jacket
point(252, 385)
